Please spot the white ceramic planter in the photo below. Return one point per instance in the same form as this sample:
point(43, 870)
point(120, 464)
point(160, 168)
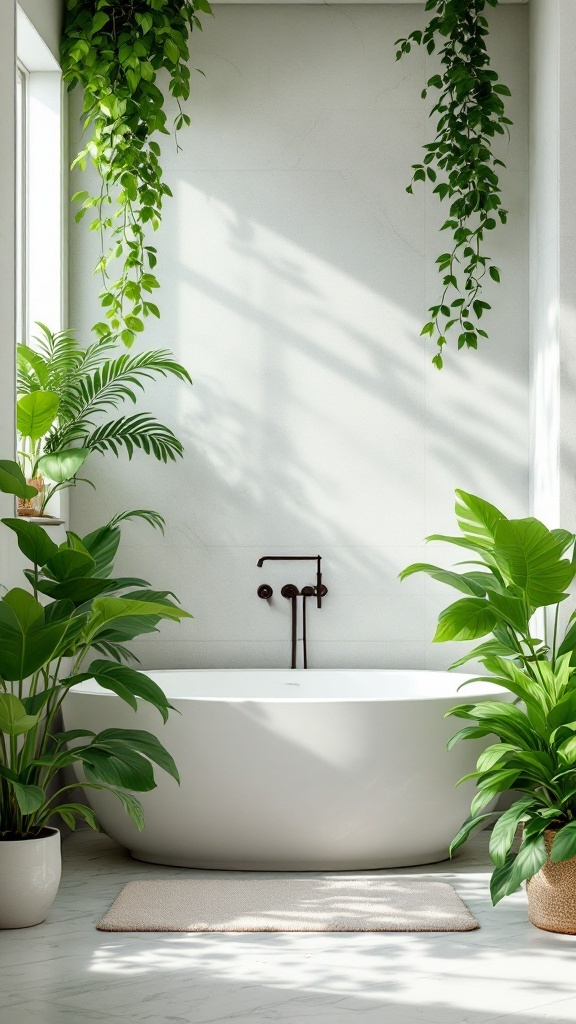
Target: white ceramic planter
point(30, 872)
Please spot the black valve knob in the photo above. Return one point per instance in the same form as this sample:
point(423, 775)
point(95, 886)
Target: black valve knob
point(265, 591)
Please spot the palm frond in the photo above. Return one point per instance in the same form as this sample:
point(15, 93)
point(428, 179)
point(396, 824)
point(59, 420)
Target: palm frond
point(130, 432)
point(153, 519)
point(112, 382)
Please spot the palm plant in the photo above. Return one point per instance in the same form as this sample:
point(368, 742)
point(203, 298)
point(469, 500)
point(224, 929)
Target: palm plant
point(71, 609)
point(65, 390)
point(517, 568)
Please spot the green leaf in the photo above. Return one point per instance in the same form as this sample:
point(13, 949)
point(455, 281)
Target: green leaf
point(460, 581)
point(63, 466)
point(33, 541)
point(13, 481)
point(14, 720)
point(29, 798)
point(533, 557)
point(506, 827)
point(144, 742)
point(467, 829)
point(25, 650)
point(477, 518)
point(466, 619)
point(68, 564)
point(35, 414)
point(498, 783)
point(564, 845)
point(129, 684)
point(108, 609)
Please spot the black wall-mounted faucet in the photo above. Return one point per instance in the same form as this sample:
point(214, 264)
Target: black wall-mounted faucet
point(291, 592)
point(299, 558)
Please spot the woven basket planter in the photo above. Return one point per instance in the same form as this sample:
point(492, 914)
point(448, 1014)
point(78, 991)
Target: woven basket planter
point(552, 894)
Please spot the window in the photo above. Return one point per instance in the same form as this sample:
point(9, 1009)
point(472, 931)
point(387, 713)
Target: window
point(40, 253)
point(21, 203)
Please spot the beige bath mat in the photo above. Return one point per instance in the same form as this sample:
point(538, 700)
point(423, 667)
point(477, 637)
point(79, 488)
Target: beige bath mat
point(319, 903)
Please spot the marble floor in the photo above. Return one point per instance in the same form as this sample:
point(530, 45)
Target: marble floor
point(66, 972)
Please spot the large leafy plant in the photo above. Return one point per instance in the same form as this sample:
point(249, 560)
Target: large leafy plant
point(114, 50)
point(71, 623)
point(461, 163)
point(66, 395)
point(518, 567)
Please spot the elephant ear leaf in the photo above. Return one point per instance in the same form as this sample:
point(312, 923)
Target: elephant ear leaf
point(533, 557)
point(36, 413)
point(477, 518)
point(63, 466)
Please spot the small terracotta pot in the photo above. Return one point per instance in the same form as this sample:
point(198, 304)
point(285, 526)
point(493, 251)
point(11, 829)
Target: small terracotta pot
point(32, 506)
point(552, 894)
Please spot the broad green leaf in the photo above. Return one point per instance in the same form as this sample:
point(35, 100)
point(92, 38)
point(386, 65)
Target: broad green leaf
point(477, 518)
point(564, 845)
point(531, 857)
point(469, 732)
point(460, 581)
point(510, 609)
point(500, 880)
point(14, 720)
point(505, 829)
point(68, 564)
point(35, 414)
point(494, 754)
point(498, 782)
point(33, 540)
point(109, 609)
point(62, 466)
point(103, 544)
point(25, 607)
point(490, 647)
point(25, 650)
point(129, 684)
point(467, 619)
point(506, 721)
point(28, 798)
point(467, 829)
point(563, 713)
point(78, 591)
point(117, 765)
point(533, 558)
point(13, 481)
point(146, 743)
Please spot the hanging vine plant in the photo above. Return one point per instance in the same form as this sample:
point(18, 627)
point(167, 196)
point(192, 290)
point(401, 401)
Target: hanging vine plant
point(114, 49)
point(461, 163)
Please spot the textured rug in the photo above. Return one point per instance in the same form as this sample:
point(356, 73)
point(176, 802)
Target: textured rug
point(319, 903)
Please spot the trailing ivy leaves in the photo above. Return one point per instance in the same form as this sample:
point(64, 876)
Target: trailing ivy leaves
point(114, 50)
point(461, 164)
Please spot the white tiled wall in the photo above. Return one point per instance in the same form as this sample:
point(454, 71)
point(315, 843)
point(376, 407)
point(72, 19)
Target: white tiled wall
point(294, 286)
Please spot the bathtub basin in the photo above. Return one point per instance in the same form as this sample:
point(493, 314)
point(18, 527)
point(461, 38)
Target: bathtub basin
point(293, 770)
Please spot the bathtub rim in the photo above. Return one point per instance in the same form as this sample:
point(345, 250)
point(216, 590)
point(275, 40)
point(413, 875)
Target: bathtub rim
point(474, 691)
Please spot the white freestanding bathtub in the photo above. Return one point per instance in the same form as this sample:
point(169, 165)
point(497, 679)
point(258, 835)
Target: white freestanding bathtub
point(294, 770)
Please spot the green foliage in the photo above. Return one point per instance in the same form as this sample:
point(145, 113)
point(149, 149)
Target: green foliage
point(522, 569)
point(460, 162)
point(114, 50)
point(88, 610)
point(64, 392)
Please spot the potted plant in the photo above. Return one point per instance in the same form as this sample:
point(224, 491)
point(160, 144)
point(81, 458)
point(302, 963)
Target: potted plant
point(70, 623)
point(64, 394)
point(519, 567)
